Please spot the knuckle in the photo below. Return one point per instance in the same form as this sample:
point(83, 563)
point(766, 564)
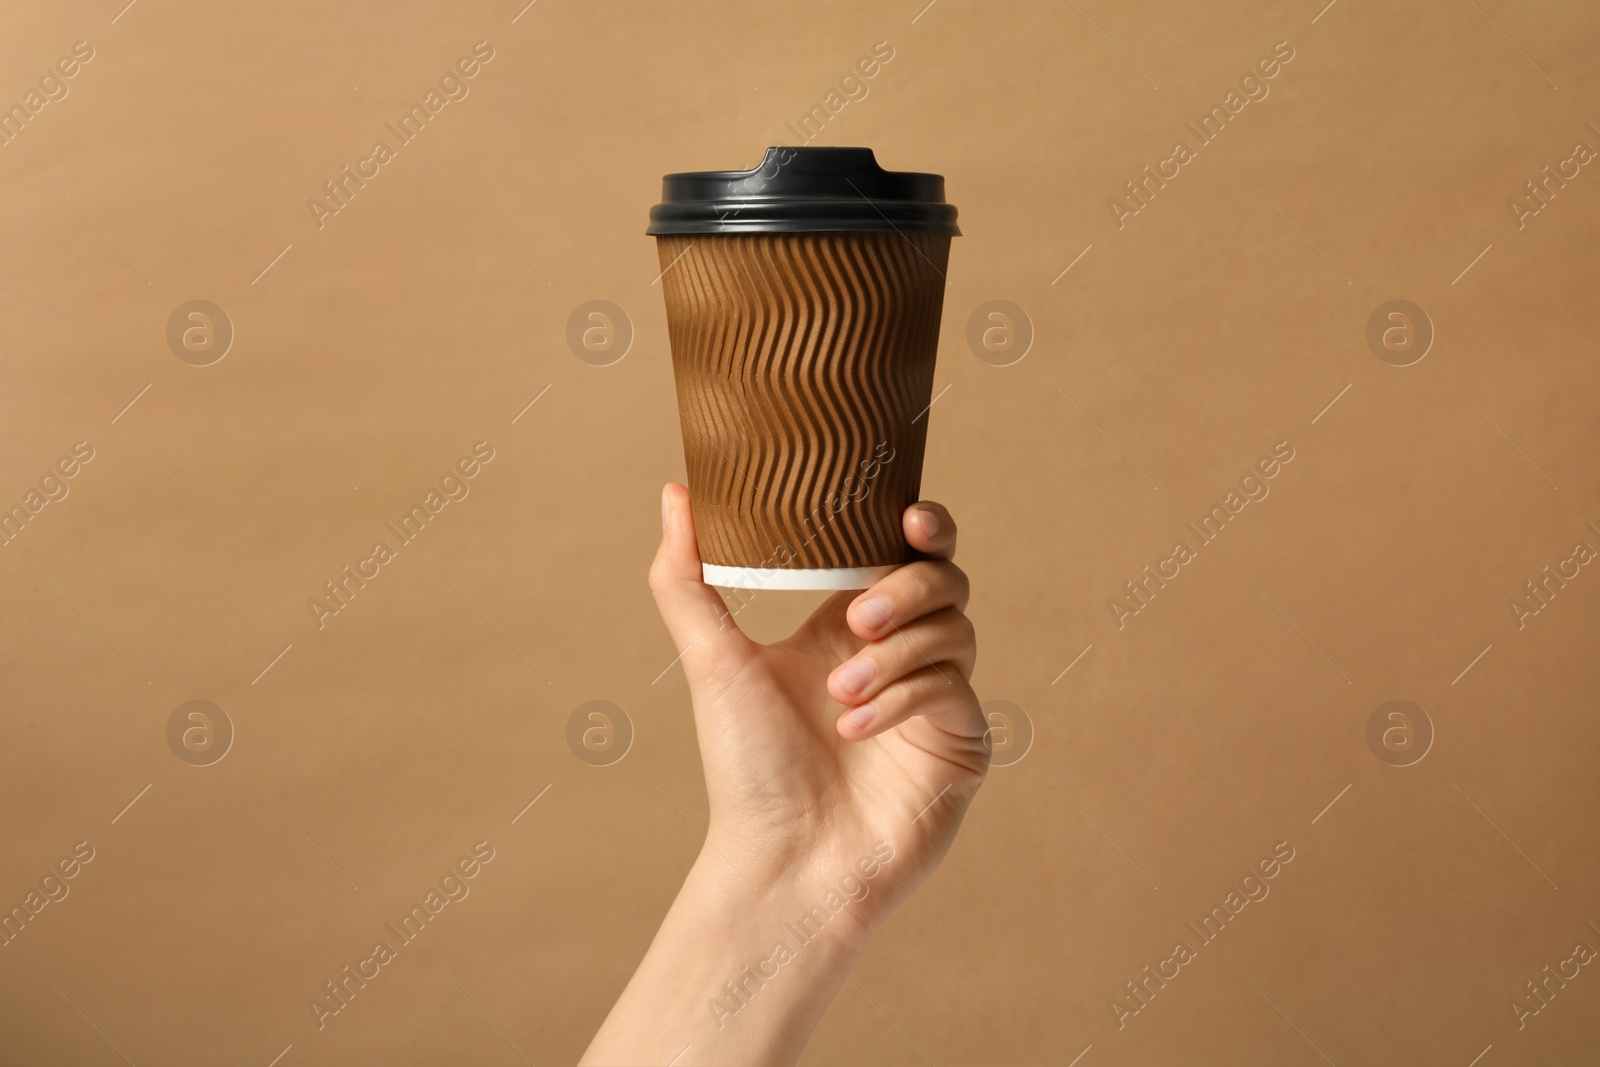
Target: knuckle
point(951, 634)
point(963, 584)
point(952, 694)
point(922, 581)
point(968, 646)
point(910, 691)
point(938, 681)
point(965, 701)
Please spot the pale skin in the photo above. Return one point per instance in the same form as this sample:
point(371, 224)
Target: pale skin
point(803, 797)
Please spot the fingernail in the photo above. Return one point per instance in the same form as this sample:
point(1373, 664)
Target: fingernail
point(854, 675)
point(666, 509)
point(861, 717)
point(930, 522)
point(875, 612)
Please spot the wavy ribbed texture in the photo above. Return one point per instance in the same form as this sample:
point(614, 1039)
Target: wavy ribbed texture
point(804, 364)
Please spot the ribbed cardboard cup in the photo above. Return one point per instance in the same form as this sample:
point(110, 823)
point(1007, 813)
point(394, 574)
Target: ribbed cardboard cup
point(804, 365)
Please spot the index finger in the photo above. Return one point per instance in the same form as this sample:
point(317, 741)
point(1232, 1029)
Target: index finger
point(930, 530)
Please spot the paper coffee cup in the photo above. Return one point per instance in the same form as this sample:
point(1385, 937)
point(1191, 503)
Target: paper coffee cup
point(803, 303)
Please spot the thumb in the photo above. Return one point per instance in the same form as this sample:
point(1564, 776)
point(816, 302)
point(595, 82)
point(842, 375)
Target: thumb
point(700, 624)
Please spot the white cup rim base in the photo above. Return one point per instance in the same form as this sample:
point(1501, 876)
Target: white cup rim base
point(792, 578)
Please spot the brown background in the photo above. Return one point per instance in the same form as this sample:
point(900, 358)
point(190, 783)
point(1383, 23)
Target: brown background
point(416, 323)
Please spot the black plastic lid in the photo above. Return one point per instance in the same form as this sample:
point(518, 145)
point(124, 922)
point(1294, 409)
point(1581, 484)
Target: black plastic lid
point(800, 189)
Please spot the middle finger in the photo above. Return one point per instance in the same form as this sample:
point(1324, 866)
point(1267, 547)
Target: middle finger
point(906, 594)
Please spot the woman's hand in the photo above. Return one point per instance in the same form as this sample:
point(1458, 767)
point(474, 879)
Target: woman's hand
point(820, 826)
point(796, 792)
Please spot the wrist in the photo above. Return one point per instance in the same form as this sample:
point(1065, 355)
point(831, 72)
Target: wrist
point(802, 907)
point(740, 971)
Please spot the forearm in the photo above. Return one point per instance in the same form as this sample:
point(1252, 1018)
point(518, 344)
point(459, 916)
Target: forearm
point(732, 977)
